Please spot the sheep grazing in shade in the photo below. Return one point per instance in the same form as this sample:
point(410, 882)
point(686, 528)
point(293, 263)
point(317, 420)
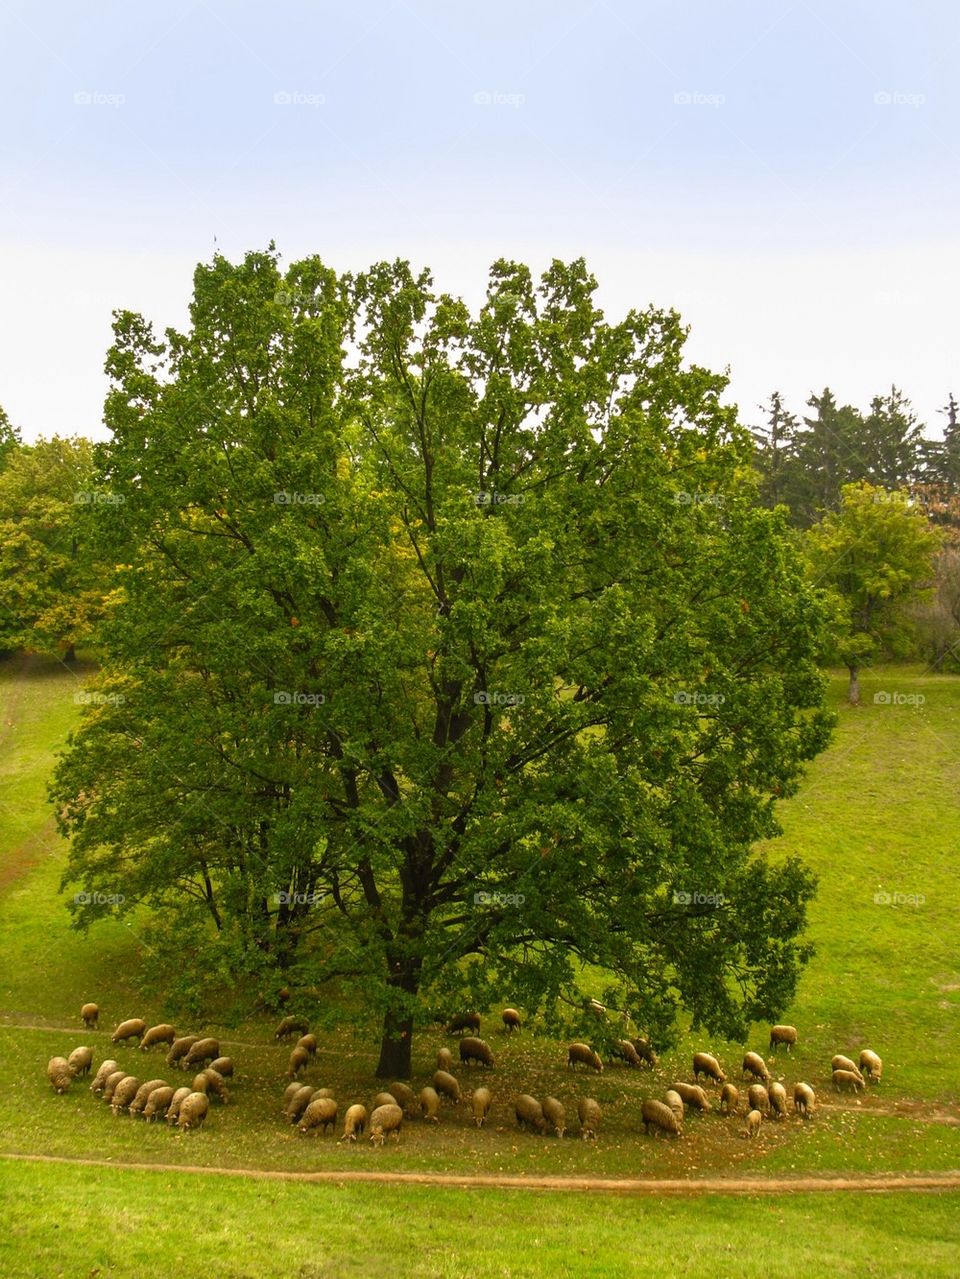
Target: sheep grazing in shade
point(594, 1006)
point(100, 1078)
point(113, 1079)
point(430, 1104)
point(176, 1101)
point(200, 1082)
point(871, 1065)
point(754, 1120)
point(555, 1115)
point(657, 1114)
point(846, 1079)
point(309, 1042)
point(90, 1016)
point(124, 1093)
point(625, 1051)
point(403, 1095)
point(472, 1049)
point(844, 1063)
point(644, 1050)
point(384, 1099)
point(447, 1086)
point(179, 1049)
point(675, 1102)
point(589, 1114)
point(133, 1028)
point(158, 1103)
point(321, 1114)
point(511, 1020)
point(705, 1064)
point(753, 1064)
point(693, 1095)
point(216, 1085)
point(193, 1110)
point(778, 1100)
point(804, 1100)
point(322, 1092)
point(583, 1055)
point(291, 1026)
point(299, 1059)
point(444, 1059)
point(203, 1050)
point(729, 1099)
point(223, 1066)
point(383, 1120)
point(758, 1098)
point(298, 1103)
point(464, 1021)
point(529, 1113)
point(142, 1093)
point(164, 1034)
point(80, 1061)
point(481, 1101)
point(786, 1035)
point(354, 1122)
point(288, 1094)
point(59, 1074)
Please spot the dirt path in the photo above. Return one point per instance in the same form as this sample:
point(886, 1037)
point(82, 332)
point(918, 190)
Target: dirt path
point(875, 1184)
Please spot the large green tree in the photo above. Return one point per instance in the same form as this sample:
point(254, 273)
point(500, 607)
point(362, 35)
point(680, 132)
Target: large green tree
point(455, 653)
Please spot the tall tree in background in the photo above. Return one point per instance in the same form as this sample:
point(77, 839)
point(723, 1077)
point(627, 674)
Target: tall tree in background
point(890, 443)
point(9, 438)
point(774, 444)
point(827, 453)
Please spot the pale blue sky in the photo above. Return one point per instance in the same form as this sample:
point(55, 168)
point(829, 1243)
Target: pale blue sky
point(785, 173)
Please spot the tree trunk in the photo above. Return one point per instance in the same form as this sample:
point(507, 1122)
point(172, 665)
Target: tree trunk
point(853, 694)
point(71, 654)
point(396, 1043)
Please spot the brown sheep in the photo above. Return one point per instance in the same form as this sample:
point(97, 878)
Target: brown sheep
point(446, 1086)
point(847, 1079)
point(200, 1082)
point(675, 1102)
point(383, 1120)
point(193, 1110)
point(754, 1120)
point(179, 1049)
point(782, 1035)
point(403, 1095)
point(298, 1103)
point(589, 1114)
point(472, 1049)
point(804, 1100)
point(529, 1113)
point(354, 1122)
point(778, 1100)
point(384, 1099)
point(583, 1054)
point(464, 1021)
point(511, 1020)
point(322, 1092)
point(729, 1099)
point(309, 1042)
point(203, 1050)
point(291, 1026)
point(216, 1087)
point(176, 1101)
point(133, 1028)
point(444, 1059)
point(753, 1064)
point(693, 1095)
point(90, 1016)
point(158, 1103)
point(143, 1092)
point(705, 1064)
point(482, 1100)
point(106, 1070)
point(871, 1065)
point(430, 1104)
point(80, 1061)
point(644, 1050)
point(288, 1094)
point(321, 1114)
point(59, 1074)
point(111, 1083)
point(124, 1093)
point(625, 1051)
point(844, 1063)
point(657, 1114)
point(223, 1066)
point(299, 1059)
point(758, 1098)
point(555, 1115)
point(164, 1034)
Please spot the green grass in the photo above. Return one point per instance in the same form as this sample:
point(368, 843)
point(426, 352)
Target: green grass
point(110, 1222)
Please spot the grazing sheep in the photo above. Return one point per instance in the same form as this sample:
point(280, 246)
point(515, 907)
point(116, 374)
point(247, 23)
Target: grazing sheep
point(164, 1034)
point(659, 1115)
point(90, 1016)
point(131, 1029)
point(753, 1064)
point(291, 1026)
point(179, 1049)
point(705, 1064)
point(511, 1020)
point(625, 1051)
point(464, 1021)
point(200, 1082)
point(871, 1065)
point(124, 1093)
point(158, 1103)
point(430, 1104)
point(782, 1035)
point(384, 1099)
point(143, 1092)
point(482, 1100)
point(778, 1100)
point(176, 1101)
point(472, 1049)
point(193, 1110)
point(729, 1099)
point(844, 1063)
point(309, 1042)
point(321, 1114)
point(80, 1061)
point(693, 1095)
point(59, 1074)
point(804, 1100)
point(299, 1059)
point(216, 1087)
point(555, 1115)
point(298, 1103)
point(223, 1066)
point(203, 1050)
point(675, 1102)
point(321, 1092)
point(446, 1086)
point(383, 1120)
point(444, 1059)
point(644, 1050)
point(403, 1095)
point(100, 1079)
point(847, 1079)
point(758, 1098)
point(112, 1080)
point(754, 1120)
point(585, 1056)
point(529, 1113)
point(594, 1006)
point(354, 1122)
point(589, 1114)
point(288, 1094)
